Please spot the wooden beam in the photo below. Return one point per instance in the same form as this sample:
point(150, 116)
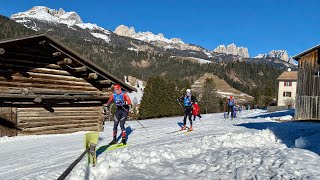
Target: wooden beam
point(30, 62)
point(33, 90)
point(48, 85)
point(18, 55)
point(65, 61)
point(42, 42)
point(2, 51)
point(37, 100)
point(80, 69)
point(105, 81)
point(92, 76)
point(55, 54)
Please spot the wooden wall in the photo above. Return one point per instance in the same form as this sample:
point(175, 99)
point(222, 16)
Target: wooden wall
point(51, 80)
point(8, 121)
point(61, 120)
point(308, 88)
point(48, 91)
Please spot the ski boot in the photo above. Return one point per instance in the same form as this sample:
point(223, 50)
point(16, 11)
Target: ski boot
point(114, 141)
point(190, 129)
point(124, 141)
point(184, 127)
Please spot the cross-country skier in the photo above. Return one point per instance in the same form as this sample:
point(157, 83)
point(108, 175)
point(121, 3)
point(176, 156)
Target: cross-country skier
point(230, 104)
point(196, 111)
point(123, 103)
point(188, 101)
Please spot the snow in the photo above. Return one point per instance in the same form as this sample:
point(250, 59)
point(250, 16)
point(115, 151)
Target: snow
point(150, 37)
point(50, 15)
point(250, 147)
point(136, 96)
point(133, 49)
point(71, 19)
point(102, 36)
point(201, 61)
point(208, 53)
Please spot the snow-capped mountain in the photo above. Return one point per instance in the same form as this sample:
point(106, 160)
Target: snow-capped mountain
point(233, 50)
point(70, 19)
point(278, 54)
point(156, 39)
point(69, 24)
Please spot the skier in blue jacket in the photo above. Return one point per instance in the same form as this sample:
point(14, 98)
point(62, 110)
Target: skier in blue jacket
point(188, 101)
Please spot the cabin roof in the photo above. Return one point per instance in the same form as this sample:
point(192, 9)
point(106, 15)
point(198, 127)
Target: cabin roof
point(298, 56)
point(34, 40)
point(288, 75)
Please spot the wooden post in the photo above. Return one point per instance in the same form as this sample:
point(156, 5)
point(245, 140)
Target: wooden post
point(105, 82)
point(42, 42)
point(2, 51)
point(81, 69)
point(92, 76)
point(65, 61)
point(37, 100)
point(55, 54)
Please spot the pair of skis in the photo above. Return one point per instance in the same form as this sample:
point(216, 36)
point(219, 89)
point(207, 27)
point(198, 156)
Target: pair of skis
point(180, 130)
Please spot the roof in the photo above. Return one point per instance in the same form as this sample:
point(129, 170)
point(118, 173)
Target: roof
point(288, 75)
point(298, 56)
point(66, 51)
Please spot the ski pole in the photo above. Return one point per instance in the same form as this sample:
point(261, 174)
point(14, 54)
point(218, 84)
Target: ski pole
point(142, 125)
point(179, 103)
point(201, 122)
point(135, 119)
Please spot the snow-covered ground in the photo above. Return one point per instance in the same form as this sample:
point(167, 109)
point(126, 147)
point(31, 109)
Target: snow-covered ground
point(254, 146)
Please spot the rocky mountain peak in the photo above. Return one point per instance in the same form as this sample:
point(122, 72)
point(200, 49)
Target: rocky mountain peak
point(156, 39)
point(51, 15)
point(279, 54)
point(232, 49)
point(123, 30)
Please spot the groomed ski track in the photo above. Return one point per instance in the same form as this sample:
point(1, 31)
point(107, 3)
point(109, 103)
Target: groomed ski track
point(220, 149)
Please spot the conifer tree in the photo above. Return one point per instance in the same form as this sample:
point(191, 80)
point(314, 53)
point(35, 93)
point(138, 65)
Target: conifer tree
point(210, 100)
point(159, 99)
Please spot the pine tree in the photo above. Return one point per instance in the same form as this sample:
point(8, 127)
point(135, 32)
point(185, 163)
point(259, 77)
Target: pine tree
point(210, 100)
point(159, 99)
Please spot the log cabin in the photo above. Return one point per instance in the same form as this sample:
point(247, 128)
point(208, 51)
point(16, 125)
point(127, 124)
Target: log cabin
point(308, 88)
point(47, 88)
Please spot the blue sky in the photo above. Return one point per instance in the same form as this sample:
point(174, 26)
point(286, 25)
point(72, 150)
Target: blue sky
point(260, 25)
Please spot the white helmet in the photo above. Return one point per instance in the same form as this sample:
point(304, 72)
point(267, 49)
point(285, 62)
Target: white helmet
point(188, 90)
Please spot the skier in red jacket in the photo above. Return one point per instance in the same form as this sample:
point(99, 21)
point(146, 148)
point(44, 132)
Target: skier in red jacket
point(196, 111)
point(123, 103)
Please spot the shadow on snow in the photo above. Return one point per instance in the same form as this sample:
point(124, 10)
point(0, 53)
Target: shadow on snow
point(102, 149)
point(289, 132)
point(275, 114)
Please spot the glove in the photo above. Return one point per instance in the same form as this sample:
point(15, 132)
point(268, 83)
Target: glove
point(105, 108)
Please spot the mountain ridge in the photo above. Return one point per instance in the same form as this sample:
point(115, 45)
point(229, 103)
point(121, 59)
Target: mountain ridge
point(154, 42)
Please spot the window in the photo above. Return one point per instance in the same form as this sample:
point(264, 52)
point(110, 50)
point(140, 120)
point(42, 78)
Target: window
point(286, 94)
point(287, 83)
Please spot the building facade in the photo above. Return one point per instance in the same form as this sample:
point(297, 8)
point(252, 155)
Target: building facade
point(308, 89)
point(287, 88)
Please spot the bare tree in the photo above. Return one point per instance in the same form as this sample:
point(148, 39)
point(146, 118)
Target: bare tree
point(289, 102)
